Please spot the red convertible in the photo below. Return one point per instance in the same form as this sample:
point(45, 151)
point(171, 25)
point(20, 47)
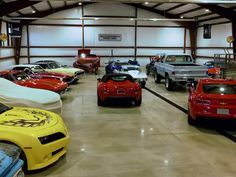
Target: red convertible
point(212, 98)
point(21, 78)
point(37, 72)
point(86, 61)
point(118, 86)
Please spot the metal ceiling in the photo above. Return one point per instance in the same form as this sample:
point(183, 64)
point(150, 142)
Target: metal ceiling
point(200, 10)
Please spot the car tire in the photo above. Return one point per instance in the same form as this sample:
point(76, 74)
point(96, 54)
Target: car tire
point(142, 84)
point(138, 102)
point(99, 101)
point(191, 121)
point(168, 83)
point(157, 78)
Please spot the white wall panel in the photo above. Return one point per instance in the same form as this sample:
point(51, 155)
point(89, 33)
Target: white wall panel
point(219, 34)
point(53, 51)
point(91, 36)
point(6, 52)
point(55, 36)
point(168, 37)
point(6, 63)
point(210, 52)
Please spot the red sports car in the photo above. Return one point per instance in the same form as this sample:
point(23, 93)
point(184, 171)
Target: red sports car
point(37, 72)
point(21, 78)
point(86, 61)
point(212, 98)
point(114, 86)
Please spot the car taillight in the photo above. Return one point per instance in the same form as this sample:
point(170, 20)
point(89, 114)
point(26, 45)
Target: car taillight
point(203, 101)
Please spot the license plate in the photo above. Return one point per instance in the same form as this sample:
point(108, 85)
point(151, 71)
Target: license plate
point(222, 111)
point(120, 92)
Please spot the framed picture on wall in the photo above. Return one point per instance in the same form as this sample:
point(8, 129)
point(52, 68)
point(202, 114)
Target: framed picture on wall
point(109, 37)
point(206, 31)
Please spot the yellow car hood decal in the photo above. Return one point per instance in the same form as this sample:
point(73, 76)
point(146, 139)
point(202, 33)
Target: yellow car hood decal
point(28, 118)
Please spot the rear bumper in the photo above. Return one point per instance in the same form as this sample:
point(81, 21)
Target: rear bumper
point(211, 113)
point(187, 78)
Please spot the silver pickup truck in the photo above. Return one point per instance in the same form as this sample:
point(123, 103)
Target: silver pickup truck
point(178, 69)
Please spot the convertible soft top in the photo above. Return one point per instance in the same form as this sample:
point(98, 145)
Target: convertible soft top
point(107, 77)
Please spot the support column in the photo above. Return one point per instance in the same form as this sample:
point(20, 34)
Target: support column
point(0, 30)
point(28, 43)
point(185, 35)
point(17, 47)
point(82, 11)
point(193, 38)
point(135, 34)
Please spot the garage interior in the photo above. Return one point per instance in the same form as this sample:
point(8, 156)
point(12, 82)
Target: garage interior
point(121, 140)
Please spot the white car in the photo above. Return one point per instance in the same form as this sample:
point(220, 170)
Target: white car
point(12, 94)
point(135, 72)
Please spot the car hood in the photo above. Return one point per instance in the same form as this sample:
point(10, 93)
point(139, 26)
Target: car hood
point(8, 157)
point(49, 84)
point(68, 70)
point(30, 118)
point(12, 91)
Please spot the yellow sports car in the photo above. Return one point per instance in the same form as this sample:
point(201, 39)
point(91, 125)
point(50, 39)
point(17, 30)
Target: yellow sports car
point(42, 135)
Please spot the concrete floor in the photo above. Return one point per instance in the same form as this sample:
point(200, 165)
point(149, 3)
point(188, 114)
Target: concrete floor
point(148, 141)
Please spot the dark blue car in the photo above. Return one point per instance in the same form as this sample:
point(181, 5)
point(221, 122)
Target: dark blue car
point(10, 163)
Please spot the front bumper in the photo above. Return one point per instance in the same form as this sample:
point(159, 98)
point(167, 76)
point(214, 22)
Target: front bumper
point(42, 155)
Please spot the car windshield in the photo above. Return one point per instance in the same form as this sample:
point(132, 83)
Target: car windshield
point(54, 65)
point(219, 88)
point(178, 58)
point(119, 78)
point(37, 69)
point(4, 108)
point(21, 76)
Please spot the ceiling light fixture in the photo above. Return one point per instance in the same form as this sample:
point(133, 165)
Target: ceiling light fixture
point(80, 3)
point(146, 3)
point(33, 11)
point(207, 10)
point(181, 16)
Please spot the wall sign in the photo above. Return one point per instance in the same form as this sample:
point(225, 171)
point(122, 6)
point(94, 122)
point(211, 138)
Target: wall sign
point(109, 37)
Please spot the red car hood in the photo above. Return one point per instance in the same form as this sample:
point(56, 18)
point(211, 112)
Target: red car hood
point(47, 84)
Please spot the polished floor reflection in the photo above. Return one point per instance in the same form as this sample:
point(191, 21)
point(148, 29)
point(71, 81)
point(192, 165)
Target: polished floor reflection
point(153, 140)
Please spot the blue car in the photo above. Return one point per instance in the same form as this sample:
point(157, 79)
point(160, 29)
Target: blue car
point(10, 163)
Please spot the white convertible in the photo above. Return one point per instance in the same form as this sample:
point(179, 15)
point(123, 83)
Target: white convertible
point(135, 72)
point(12, 94)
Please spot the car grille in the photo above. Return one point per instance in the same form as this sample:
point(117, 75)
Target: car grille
point(51, 138)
